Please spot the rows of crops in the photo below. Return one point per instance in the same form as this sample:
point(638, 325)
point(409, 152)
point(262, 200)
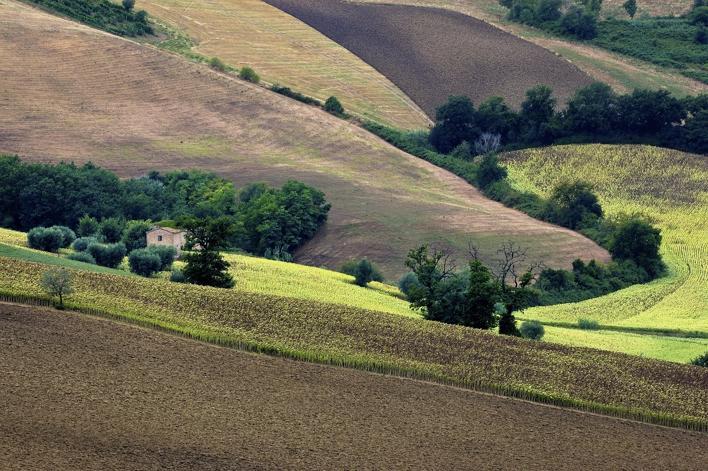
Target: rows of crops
point(669, 187)
point(334, 333)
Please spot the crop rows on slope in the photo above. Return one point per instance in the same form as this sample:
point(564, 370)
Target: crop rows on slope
point(669, 187)
point(328, 333)
point(285, 51)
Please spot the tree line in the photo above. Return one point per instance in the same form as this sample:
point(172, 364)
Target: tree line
point(594, 114)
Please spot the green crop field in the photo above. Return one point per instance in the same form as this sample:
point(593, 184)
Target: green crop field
point(670, 188)
point(379, 341)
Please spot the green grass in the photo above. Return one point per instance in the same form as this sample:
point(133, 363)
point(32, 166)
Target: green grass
point(46, 258)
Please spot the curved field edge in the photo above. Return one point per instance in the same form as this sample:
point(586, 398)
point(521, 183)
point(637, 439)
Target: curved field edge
point(608, 383)
point(175, 114)
point(287, 52)
point(623, 73)
point(668, 187)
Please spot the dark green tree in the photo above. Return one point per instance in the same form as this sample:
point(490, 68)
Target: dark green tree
point(537, 111)
point(571, 204)
point(111, 230)
point(579, 23)
point(593, 110)
point(490, 171)
point(333, 106)
point(204, 264)
point(548, 10)
point(134, 234)
point(494, 116)
point(639, 241)
point(364, 273)
point(455, 122)
point(630, 6)
point(144, 262)
point(88, 226)
point(482, 295)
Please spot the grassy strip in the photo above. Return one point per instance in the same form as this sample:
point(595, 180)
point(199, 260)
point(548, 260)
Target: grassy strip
point(366, 364)
point(631, 330)
point(46, 258)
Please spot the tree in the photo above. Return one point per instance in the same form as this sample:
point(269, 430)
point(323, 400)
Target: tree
point(699, 16)
point(571, 204)
point(630, 6)
point(639, 241)
point(455, 122)
point(57, 282)
point(128, 5)
point(134, 234)
point(364, 273)
point(111, 230)
point(430, 268)
point(482, 297)
point(107, 255)
point(548, 10)
point(579, 23)
point(495, 117)
point(144, 262)
point(48, 239)
point(333, 106)
point(649, 112)
point(249, 75)
point(593, 110)
point(507, 322)
point(701, 360)
point(205, 265)
point(536, 113)
point(408, 282)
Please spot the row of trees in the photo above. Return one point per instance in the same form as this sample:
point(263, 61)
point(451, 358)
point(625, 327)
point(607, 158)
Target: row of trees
point(577, 18)
point(270, 222)
point(594, 113)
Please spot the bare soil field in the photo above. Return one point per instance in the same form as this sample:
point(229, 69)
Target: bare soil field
point(434, 53)
point(86, 393)
point(623, 73)
point(68, 92)
point(286, 51)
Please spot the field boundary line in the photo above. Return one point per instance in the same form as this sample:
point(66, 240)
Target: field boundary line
point(381, 367)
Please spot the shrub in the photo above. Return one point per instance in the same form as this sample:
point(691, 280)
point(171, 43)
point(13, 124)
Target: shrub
point(364, 273)
point(88, 226)
point(82, 243)
point(701, 360)
point(489, 171)
point(333, 106)
point(573, 204)
point(82, 257)
point(699, 16)
point(128, 4)
point(639, 241)
point(49, 239)
point(588, 324)
point(177, 276)
point(217, 64)
point(350, 268)
point(111, 230)
point(532, 330)
point(68, 236)
point(134, 234)
point(144, 262)
point(249, 75)
point(295, 95)
point(166, 253)
point(408, 282)
point(462, 151)
point(579, 23)
point(107, 255)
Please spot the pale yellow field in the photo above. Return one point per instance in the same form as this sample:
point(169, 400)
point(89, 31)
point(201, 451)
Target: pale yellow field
point(286, 51)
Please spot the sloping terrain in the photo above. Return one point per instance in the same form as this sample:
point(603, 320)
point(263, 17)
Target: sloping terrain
point(373, 340)
point(668, 186)
point(621, 72)
point(84, 393)
point(433, 53)
point(650, 7)
point(71, 93)
point(283, 50)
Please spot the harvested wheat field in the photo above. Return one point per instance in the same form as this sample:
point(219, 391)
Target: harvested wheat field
point(86, 393)
point(648, 7)
point(68, 92)
point(433, 53)
point(284, 50)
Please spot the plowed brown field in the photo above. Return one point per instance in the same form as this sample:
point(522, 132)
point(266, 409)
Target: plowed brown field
point(85, 393)
point(433, 53)
point(68, 92)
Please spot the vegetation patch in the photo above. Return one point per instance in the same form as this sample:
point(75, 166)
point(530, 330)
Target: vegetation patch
point(102, 14)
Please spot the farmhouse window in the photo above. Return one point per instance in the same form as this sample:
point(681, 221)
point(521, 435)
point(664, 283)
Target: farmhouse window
point(159, 238)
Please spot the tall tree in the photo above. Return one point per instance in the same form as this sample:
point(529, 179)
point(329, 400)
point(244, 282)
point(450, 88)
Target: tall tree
point(205, 265)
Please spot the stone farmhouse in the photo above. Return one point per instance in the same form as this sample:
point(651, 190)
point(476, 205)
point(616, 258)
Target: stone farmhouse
point(167, 236)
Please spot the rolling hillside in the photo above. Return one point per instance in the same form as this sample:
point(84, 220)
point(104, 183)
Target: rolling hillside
point(622, 73)
point(671, 188)
point(199, 407)
point(285, 51)
point(68, 92)
point(434, 53)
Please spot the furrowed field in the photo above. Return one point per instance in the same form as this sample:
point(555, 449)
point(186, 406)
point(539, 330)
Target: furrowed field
point(336, 333)
point(669, 187)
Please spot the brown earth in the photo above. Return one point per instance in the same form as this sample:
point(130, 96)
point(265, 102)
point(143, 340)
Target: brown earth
point(432, 53)
point(86, 393)
point(68, 92)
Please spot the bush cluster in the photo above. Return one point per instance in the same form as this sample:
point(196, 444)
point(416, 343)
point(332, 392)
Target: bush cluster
point(107, 255)
point(103, 14)
point(50, 239)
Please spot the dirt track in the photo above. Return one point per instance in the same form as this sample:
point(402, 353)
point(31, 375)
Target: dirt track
point(85, 393)
point(431, 53)
point(68, 92)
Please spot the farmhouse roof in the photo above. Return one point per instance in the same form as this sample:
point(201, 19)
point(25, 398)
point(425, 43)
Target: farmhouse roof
point(167, 229)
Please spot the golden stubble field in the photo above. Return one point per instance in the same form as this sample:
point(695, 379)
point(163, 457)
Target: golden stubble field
point(68, 92)
point(283, 50)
